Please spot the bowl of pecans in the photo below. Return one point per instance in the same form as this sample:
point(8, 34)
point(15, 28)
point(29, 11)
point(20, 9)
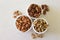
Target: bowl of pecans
point(34, 11)
point(40, 25)
point(23, 23)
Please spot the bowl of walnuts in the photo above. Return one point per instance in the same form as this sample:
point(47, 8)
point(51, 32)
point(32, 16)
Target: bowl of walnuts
point(40, 25)
point(23, 23)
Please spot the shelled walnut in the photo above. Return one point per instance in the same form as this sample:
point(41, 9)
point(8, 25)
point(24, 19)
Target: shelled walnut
point(35, 35)
point(45, 8)
point(16, 13)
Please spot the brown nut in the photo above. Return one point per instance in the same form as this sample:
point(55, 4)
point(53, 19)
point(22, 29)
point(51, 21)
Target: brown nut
point(14, 16)
point(45, 7)
point(44, 12)
point(16, 13)
point(34, 36)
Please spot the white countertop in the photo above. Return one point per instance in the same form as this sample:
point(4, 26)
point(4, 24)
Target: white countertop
point(7, 27)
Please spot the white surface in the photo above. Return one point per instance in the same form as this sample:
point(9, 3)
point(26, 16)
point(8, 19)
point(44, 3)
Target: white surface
point(8, 30)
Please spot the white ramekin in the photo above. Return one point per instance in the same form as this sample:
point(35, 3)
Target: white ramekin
point(40, 32)
point(31, 23)
point(28, 13)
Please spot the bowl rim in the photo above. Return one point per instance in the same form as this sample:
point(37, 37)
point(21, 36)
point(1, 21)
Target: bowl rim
point(31, 23)
point(40, 32)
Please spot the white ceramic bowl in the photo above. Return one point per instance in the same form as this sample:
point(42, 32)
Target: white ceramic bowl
point(31, 23)
point(28, 13)
point(43, 31)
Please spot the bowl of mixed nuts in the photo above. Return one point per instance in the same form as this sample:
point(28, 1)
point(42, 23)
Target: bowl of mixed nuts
point(40, 25)
point(23, 23)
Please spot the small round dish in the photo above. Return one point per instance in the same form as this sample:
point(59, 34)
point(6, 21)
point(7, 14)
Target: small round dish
point(44, 30)
point(29, 28)
point(34, 11)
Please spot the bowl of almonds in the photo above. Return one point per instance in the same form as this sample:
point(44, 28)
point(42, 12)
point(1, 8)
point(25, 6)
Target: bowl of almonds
point(23, 23)
point(40, 25)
